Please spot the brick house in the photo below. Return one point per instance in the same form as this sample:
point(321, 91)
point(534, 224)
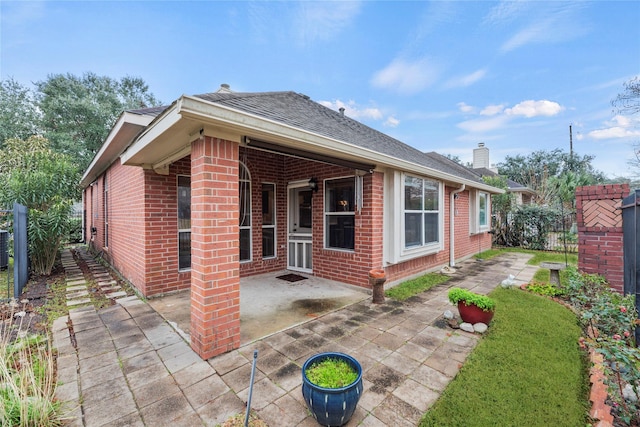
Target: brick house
point(225, 185)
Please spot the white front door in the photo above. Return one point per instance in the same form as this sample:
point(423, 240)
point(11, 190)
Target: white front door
point(300, 229)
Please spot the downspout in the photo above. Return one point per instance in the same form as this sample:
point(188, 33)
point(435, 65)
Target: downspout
point(452, 231)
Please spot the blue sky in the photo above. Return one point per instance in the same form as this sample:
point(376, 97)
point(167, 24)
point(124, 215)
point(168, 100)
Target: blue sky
point(441, 76)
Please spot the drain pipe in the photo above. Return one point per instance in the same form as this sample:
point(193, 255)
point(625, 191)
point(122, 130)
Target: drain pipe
point(452, 208)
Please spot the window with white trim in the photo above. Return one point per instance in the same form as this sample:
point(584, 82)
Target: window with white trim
point(245, 213)
point(184, 222)
point(421, 214)
point(479, 212)
point(339, 213)
point(268, 220)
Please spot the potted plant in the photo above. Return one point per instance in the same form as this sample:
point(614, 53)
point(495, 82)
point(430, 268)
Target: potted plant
point(331, 387)
point(473, 307)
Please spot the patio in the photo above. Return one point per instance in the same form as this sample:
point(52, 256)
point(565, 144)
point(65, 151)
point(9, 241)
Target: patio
point(269, 303)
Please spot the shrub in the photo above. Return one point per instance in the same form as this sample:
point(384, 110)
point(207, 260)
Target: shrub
point(612, 318)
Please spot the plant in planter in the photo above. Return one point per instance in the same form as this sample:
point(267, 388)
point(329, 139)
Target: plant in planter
point(331, 387)
point(473, 307)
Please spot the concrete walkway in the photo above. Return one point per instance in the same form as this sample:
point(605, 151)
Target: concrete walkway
point(126, 366)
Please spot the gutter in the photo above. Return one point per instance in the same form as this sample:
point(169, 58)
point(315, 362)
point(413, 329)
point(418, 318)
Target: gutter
point(452, 231)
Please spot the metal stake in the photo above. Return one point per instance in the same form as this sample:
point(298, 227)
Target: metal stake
point(253, 372)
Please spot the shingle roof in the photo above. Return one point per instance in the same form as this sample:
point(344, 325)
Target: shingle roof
point(297, 110)
point(511, 185)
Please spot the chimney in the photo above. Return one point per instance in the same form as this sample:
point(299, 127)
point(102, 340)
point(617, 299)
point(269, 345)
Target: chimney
point(481, 156)
point(341, 109)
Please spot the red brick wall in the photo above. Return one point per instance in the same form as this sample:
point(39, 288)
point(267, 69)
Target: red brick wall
point(465, 244)
point(143, 224)
point(600, 237)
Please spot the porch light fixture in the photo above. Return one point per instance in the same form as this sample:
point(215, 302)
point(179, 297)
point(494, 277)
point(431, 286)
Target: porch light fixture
point(313, 184)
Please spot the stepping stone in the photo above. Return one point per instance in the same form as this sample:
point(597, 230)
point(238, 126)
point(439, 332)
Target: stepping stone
point(76, 282)
point(77, 294)
point(116, 294)
point(76, 288)
point(75, 302)
point(111, 289)
point(109, 283)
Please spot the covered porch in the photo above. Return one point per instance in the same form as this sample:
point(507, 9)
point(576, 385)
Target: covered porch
point(269, 303)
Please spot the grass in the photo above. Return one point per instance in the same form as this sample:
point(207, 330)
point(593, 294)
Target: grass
point(415, 286)
point(6, 281)
point(27, 375)
point(528, 370)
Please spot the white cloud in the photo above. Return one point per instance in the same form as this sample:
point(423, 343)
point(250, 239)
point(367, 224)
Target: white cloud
point(407, 77)
point(492, 110)
point(483, 125)
point(323, 20)
point(532, 108)
point(618, 127)
point(543, 22)
point(613, 132)
point(391, 122)
point(462, 106)
point(351, 109)
point(468, 80)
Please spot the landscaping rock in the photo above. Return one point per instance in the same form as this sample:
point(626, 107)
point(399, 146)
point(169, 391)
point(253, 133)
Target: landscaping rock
point(628, 394)
point(448, 314)
point(480, 328)
point(468, 327)
point(453, 323)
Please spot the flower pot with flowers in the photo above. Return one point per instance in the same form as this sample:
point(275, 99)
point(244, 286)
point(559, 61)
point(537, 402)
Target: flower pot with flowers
point(473, 307)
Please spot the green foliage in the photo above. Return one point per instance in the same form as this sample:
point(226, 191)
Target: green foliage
point(547, 289)
point(75, 230)
point(19, 114)
point(612, 318)
point(78, 112)
point(27, 376)
point(412, 287)
point(471, 298)
point(535, 170)
point(46, 183)
point(526, 371)
point(331, 373)
point(530, 226)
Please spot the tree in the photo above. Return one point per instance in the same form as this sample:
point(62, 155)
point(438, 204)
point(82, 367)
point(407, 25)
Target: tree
point(78, 112)
point(19, 116)
point(628, 102)
point(47, 183)
point(501, 208)
point(536, 170)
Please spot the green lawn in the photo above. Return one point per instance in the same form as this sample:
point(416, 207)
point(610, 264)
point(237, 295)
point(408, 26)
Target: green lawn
point(527, 371)
point(415, 286)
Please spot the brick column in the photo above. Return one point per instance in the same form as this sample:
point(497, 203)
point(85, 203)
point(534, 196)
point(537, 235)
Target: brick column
point(600, 244)
point(215, 267)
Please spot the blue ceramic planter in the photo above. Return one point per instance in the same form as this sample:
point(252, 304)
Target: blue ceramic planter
point(332, 406)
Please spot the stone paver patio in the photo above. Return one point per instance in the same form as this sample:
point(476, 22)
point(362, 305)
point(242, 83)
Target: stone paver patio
point(126, 366)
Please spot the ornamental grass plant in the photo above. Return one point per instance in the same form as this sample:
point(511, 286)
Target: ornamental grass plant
point(27, 377)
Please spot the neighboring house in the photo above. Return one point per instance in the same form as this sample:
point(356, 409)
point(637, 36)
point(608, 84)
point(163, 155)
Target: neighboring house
point(225, 185)
point(523, 194)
